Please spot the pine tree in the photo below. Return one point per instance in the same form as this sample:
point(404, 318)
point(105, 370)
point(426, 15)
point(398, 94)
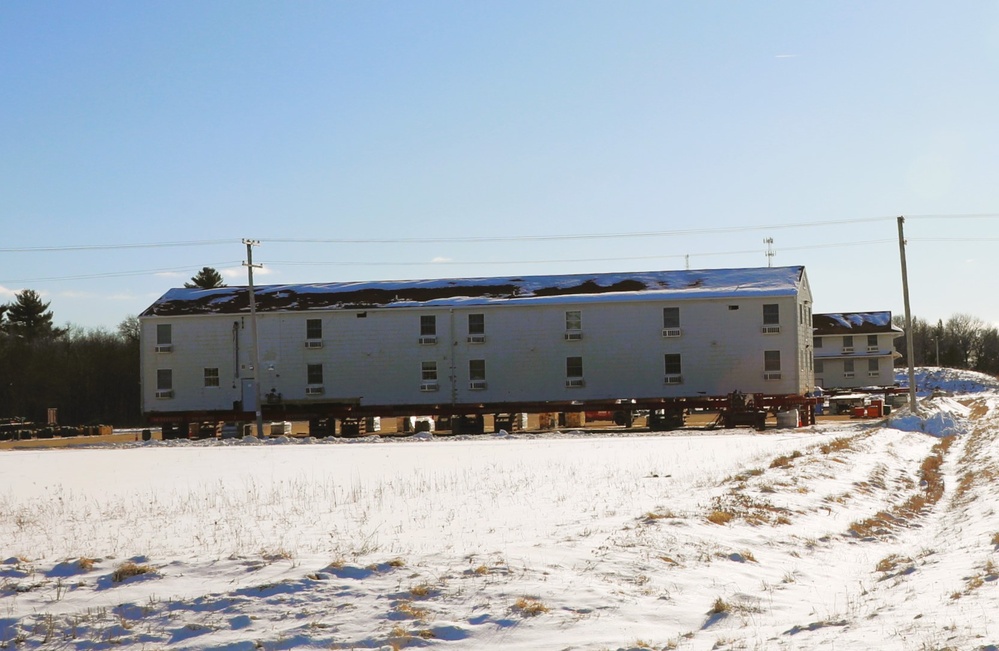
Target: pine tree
point(29, 318)
point(207, 278)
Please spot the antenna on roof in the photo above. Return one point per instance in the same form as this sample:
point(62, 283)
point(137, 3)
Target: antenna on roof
point(687, 258)
point(770, 251)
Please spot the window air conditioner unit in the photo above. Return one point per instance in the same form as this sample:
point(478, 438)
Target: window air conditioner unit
point(672, 332)
point(313, 343)
point(872, 349)
point(477, 385)
point(573, 336)
point(772, 375)
point(428, 340)
point(164, 348)
point(674, 379)
point(575, 383)
point(847, 350)
point(476, 339)
point(873, 373)
point(429, 386)
point(848, 374)
point(314, 391)
point(164, 394)
point(770, 329)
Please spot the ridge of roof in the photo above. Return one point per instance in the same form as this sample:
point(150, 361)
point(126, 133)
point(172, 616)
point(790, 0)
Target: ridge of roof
point(662, 285)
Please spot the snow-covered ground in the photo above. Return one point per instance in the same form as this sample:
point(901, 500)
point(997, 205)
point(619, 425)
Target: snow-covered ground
point(848, 535)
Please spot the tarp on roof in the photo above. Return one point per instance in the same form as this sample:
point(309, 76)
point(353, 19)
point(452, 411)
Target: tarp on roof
point(852, 323)
point(652, 285)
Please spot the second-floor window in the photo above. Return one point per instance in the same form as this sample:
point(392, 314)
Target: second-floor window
point(314, 329)
point(573, 320)
point(476, 370)
point(164, 334)
point(848, 341)
point(771, 314)
point(671, 317)
point(818, 366)
point(771, 361)
point(164, 379)
point(673, 364)
point(872, 341)
point(573, 367)
point(428, 325)
point(476, 324)
point(817, 342)
point(428, 371)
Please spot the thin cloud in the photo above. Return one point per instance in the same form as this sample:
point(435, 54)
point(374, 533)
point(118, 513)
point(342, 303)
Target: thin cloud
point(786, 56)
point(440, 260)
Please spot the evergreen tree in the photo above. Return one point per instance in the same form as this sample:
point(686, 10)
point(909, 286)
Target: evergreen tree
point(28, 318)
point(207, 278)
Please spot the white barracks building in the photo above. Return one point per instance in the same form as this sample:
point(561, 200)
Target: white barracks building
point(471, 345)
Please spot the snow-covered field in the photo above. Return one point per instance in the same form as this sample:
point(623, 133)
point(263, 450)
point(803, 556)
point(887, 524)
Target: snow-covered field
point(853, 535)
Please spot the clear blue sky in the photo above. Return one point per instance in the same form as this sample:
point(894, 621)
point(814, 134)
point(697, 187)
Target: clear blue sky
point(333, 123)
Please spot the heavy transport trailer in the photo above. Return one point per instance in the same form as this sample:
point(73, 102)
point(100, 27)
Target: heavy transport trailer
point(352, 418)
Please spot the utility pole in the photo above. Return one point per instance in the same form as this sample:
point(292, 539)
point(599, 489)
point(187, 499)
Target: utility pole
point(908, 321)
point(770, 251)
point(253, 330)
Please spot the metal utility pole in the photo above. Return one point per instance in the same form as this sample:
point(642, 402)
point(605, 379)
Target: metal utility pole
point(770, 251)
point(253, 330)
point(908, 320)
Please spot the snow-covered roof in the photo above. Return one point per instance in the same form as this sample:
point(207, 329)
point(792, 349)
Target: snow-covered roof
point(852, 323)
point(576, 288)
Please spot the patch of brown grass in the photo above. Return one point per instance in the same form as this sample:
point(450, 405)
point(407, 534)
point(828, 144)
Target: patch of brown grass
point(784, 461)
point(530, 607)
point(86, 564)
point(421, 590)
point(837, 445)
point(719, 607)
point(930, 472)
point(720, 517)
point(407, 609)
point(889, 563)
point(128, 569)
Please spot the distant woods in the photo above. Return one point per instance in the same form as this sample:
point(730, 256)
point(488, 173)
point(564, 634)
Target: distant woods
point(92, 376)
point(962, 341)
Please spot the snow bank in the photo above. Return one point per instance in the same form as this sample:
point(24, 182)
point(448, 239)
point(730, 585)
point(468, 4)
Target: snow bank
point(938, 417)
point(935, 379)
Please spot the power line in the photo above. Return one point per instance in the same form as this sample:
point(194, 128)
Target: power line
point(113, 247)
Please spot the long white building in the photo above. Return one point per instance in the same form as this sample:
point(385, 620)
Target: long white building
point(471, 345)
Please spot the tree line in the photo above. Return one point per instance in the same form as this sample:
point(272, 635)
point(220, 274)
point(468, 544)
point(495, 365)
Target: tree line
point(90, 376)
point(962, 341)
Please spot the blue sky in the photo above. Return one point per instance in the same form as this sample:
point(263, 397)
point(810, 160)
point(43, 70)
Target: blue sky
point(396, 140)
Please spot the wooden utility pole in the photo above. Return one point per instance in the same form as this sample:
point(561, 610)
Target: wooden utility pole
point(908, 321)
point(253, 330)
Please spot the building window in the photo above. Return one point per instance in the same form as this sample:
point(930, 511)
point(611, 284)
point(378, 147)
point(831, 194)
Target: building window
point(873, 367)
point(164, 334)
point(314, 329)
point(771, 314)
point(573, 320)
point(847, 368)
point(476, 324)
point(771, 361)
point(211, 377)
point(164, 379)
point(848, 342)
point(818, 366)
point(428, 376)
point(817, 342)
point(314, 374)
point(573, 371)
point(477, 374)
point(673, 368)
point(671, 317)
point(428, 325)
